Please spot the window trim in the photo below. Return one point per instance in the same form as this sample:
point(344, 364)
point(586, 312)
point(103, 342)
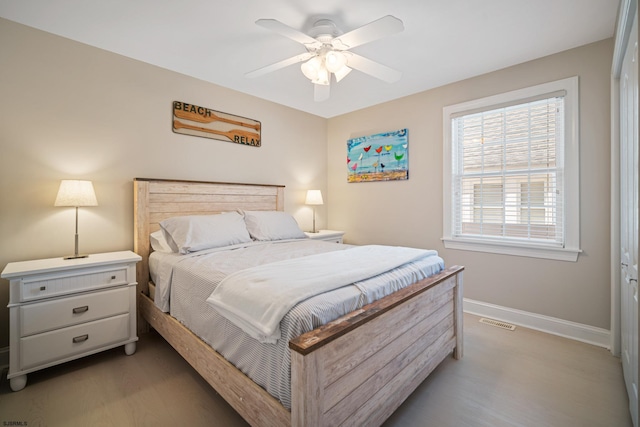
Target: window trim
point(571, 194)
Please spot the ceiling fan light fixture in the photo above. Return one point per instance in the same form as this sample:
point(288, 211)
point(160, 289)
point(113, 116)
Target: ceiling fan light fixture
point(335, 61)
point(323, 77)
point(311, 68)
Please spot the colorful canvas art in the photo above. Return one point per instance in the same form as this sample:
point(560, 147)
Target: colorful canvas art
point(379, 157)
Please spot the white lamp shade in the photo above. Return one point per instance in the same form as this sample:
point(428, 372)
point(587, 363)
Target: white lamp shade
point(311, 67)
point(76, 193)
point(335, 60)
point(314, 197)
point(323, 77)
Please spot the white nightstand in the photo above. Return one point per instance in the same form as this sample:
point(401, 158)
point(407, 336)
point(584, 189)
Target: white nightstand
point(60, 310)
point(328, 235)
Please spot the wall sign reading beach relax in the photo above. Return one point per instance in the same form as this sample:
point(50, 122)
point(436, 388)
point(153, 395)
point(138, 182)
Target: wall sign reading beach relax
point(379, 157)
point(189, 119)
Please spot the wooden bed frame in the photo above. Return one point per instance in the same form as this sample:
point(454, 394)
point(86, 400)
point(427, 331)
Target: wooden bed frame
point(355, 370)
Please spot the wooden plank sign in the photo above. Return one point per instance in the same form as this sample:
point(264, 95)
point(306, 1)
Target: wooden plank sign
point(189, 119)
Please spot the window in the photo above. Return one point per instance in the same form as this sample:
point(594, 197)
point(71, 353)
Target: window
point(511, 173)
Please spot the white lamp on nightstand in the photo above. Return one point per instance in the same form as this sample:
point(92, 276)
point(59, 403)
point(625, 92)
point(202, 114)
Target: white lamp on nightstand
point(314, 197)
point(76, 193)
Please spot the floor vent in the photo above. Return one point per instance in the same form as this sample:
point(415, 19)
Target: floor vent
point(498, 324)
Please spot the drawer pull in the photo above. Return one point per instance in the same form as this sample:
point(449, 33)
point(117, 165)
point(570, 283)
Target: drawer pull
point(81, 338)
point(43, 288)
point(113, 277)
point(82, 309)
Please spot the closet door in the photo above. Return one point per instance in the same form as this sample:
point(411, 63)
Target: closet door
point(629, 219)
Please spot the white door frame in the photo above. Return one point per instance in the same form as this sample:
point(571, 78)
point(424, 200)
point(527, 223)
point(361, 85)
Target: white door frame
point(626, 14)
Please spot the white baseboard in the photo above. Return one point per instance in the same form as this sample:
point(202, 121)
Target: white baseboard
point(4, 358)
point(551, 325)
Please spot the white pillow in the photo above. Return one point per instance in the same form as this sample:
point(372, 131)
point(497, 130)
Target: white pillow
point(159, 242)
point(272, 225)
point(193, 233)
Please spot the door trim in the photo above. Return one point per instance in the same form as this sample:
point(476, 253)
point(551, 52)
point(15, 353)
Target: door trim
point(626, 15)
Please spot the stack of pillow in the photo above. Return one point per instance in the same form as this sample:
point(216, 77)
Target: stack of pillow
point(186, 234)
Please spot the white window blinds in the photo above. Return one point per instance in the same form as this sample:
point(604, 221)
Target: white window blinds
point(507, 172)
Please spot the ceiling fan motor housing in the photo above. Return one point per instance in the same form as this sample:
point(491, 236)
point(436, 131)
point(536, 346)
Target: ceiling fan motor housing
point(324, 30)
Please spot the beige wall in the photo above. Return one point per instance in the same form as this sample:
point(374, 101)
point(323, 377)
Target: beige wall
point(410, 212)
point(68, 110)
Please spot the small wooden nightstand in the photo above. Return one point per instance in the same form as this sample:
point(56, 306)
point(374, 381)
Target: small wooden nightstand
point(328, 235)
point(60, 310)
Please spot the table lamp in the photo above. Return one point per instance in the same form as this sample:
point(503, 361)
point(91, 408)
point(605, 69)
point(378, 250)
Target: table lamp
point(76, 193)
point(314, 197)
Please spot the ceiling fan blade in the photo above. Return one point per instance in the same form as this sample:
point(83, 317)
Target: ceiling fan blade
point(278, 65)
point(321, 92)
point(372, 68)
point(383, 27)
point(287, 31)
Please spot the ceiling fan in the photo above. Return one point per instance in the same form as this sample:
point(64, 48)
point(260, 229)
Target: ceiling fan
point(328, 51)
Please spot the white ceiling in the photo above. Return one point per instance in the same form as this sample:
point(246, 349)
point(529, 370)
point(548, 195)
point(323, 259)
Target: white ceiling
point(218, 41)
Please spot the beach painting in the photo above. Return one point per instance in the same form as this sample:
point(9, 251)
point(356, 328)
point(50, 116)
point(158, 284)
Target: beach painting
point(379, 157)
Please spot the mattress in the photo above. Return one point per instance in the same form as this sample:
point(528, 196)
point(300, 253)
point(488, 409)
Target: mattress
point(184, 282)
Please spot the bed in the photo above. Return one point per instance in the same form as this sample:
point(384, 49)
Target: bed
point(354, 370)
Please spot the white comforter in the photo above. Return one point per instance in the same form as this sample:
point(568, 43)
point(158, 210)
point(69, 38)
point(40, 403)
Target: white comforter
point(256, 299)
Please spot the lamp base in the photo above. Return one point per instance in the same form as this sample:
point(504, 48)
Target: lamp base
point(76, 256)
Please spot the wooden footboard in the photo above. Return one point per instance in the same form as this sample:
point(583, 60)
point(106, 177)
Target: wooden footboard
point(358, 369)
point(355, 370)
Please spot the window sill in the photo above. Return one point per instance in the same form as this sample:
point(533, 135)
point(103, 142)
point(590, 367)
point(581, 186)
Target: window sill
point(546, 252)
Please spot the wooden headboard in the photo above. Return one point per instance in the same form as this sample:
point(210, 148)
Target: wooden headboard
point(157, 199)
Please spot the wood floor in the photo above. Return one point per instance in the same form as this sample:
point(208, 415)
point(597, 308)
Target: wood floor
point(519, 378)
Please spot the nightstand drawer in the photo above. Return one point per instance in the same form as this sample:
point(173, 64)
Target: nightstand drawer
point(34, 288)
point(59, 313)
point(57, 345)
point(333, 239)
point(332, 236)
